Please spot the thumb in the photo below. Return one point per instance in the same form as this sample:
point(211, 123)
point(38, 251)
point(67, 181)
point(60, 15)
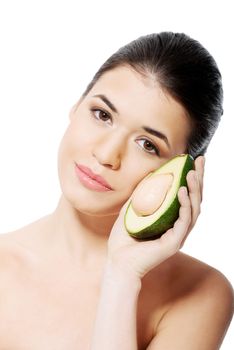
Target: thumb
point(124, 207)
point(119, 223)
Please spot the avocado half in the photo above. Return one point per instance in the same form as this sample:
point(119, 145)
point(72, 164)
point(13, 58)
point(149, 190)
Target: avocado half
point(154, 225)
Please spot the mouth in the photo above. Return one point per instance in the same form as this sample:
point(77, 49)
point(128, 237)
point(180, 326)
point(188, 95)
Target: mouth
point(97, 178)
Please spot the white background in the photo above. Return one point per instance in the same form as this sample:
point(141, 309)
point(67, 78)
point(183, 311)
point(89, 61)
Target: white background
point(49, 51)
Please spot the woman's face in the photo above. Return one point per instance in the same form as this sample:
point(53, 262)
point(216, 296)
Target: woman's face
point(117, 144)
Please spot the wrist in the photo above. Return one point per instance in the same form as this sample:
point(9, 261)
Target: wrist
point(121, 277)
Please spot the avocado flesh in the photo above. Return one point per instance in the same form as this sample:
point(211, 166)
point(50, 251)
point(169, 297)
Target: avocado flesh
point(154, 225)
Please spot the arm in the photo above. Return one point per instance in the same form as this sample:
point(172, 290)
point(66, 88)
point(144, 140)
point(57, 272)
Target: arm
point(115, 326)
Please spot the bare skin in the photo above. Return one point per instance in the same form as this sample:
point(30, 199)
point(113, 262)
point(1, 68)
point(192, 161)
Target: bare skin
point(60, 273)
point(49, 300)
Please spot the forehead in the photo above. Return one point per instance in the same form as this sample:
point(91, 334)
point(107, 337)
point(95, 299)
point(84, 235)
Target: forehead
point(125, 80)
point(127, 88)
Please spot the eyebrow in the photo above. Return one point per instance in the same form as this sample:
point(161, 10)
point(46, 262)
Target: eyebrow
point(151, 131)
point(108, 102)
point(157, 134)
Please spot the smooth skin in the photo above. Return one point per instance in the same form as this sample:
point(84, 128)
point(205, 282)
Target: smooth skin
point(75, 279)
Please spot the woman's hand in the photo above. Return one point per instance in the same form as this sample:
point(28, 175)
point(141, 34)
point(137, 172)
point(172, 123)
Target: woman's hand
point(139, 257)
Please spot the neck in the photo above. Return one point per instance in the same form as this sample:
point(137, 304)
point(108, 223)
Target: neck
point(84, 236)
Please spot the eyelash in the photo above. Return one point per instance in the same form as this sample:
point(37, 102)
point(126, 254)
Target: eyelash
point(100, 110)
point(155, 149)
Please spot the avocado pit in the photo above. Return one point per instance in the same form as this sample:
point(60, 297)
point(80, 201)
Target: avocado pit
point(151, 193)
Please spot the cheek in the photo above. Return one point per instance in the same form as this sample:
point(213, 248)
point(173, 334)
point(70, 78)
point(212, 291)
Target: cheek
point(75, 139)
point(136, 170)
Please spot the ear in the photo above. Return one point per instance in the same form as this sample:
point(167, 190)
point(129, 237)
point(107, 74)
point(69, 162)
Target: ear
point(74, 108)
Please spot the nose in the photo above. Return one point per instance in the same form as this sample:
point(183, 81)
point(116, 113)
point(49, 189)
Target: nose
point(108, 150)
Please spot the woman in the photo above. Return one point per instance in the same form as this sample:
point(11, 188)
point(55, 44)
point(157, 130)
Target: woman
point(75, 279)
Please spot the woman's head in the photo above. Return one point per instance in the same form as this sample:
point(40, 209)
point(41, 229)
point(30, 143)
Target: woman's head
point(123, 129)
point(156, 97)
point(185, 70)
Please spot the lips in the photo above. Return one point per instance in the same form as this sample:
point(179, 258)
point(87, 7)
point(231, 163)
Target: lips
point(93, 176)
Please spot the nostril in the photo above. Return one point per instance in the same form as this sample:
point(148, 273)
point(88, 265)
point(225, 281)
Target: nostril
point(108, 157)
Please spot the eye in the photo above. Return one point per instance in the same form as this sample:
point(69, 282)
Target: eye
point(149, 147)
point(99, 114)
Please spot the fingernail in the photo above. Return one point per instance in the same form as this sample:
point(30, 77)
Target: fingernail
point(184, 190)
point(195, 176)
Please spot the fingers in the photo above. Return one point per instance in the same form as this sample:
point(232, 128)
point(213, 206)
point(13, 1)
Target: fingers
point(190, 202)
point(187, 210)
point(182, 225)
point(199, 167)
point(194, 195)
point(195, 186)
point(173, 239)
point(158, 250)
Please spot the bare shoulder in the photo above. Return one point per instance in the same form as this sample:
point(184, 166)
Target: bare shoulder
point(193, 275)
point(12, 258)
point(18, 247)
point(203, 284)
point(198, 285)
point(12, 251)
point(201, 303)
point(25, 239)
point(201, 278)
point(188, 277)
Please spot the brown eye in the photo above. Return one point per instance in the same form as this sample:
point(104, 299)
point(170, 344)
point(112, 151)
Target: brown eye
point(101, 115)
point(149, 147)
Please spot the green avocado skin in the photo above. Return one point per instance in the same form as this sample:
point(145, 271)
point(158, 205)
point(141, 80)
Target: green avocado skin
point(167, 219)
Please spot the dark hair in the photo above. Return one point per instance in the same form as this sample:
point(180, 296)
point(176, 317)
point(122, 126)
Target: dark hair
point(186, 70)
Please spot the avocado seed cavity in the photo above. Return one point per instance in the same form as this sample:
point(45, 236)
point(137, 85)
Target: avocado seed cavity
point(150, 194)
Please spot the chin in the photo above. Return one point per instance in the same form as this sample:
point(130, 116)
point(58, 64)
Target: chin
point(90, 206)
point(97, 211)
